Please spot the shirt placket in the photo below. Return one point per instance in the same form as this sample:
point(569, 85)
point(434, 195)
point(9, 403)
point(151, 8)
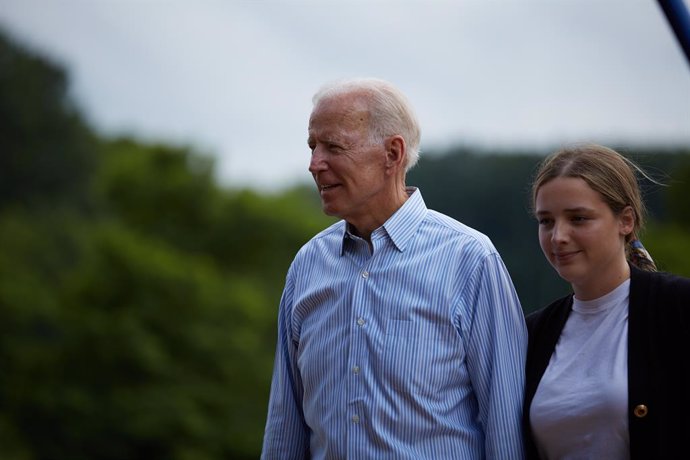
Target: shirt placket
point(358, 361)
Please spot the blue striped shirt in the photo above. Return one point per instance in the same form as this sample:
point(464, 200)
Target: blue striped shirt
point(414, 349)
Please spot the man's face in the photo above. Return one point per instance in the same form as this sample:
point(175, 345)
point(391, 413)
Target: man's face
point(349, 170)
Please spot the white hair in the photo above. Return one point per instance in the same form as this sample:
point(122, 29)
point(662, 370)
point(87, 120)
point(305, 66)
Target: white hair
point(390, 110)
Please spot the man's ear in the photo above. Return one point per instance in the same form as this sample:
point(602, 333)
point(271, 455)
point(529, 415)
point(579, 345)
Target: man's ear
point(626, 220)
point(396, 152)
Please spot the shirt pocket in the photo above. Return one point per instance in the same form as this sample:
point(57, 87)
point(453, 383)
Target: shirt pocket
point(420, 357)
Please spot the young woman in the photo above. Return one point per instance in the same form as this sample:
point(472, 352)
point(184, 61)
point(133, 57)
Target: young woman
point(608, 367)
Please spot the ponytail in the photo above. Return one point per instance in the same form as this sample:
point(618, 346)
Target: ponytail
point(639, 256)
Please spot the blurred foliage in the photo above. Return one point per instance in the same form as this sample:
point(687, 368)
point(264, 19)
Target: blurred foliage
point(46, 148)
point(668, 240)
point(138, 297)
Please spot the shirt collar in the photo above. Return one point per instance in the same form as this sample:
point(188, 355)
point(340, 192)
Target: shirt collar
point(403, 224)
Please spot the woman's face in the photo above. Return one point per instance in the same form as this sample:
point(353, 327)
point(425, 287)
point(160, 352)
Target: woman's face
point(581, 237)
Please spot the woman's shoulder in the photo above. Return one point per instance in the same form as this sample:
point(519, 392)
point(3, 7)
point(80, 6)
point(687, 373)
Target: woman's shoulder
point(556, 311)
point(660, 308)
point(661, 283)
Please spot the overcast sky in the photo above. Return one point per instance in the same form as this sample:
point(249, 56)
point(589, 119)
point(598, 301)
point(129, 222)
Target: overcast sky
point(234, 78)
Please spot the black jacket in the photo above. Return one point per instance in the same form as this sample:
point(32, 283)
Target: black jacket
point(658, 363)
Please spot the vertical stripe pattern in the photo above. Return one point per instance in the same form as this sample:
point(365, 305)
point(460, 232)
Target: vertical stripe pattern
point(414, 349)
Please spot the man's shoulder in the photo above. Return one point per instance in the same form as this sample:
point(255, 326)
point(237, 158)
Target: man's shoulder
point(329, 238)
point(335, 230)
point(455, 229)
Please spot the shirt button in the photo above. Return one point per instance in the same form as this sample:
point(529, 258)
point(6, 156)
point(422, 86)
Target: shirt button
point(640, 411)
point(360, 321)
point(355, 369)
point(365, 274)
point(355, 418)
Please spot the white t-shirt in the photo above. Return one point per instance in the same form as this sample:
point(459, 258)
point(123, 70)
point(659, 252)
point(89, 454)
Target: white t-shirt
point(580, 408)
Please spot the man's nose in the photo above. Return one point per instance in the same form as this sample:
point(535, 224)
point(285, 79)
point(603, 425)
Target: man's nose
point(318, 161)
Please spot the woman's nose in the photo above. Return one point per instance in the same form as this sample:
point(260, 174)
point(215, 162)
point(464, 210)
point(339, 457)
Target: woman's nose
point(559, 232)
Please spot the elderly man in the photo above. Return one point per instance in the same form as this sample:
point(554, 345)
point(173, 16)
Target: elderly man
point(400, 334)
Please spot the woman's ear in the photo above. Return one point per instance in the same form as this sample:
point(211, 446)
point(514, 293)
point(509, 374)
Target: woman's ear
point(626, 221)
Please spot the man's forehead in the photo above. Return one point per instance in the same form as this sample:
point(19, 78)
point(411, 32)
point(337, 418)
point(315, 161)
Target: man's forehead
point(344, 112)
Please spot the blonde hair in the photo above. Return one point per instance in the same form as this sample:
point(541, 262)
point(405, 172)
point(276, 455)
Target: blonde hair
point(610, 174)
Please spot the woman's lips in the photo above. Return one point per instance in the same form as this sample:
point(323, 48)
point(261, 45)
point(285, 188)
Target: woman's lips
point(565, 256)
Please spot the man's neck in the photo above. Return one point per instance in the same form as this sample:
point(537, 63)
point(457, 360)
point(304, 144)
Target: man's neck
point(370, 223)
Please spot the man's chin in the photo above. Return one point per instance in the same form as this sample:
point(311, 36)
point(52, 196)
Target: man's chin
point(329, 209)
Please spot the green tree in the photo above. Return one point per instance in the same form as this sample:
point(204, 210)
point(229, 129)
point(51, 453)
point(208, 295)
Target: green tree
point(145, 327)
point(132, 350)
point(668, 240)
point(46, 155)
